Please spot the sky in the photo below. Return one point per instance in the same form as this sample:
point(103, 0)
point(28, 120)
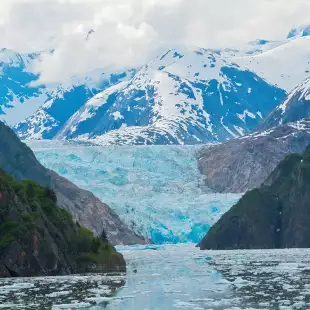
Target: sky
point(129, 33)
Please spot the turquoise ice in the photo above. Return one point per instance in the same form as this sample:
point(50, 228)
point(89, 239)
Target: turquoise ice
point(157, 190)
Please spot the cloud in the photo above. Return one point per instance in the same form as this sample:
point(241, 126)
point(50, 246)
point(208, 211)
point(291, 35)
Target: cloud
point(128, 33)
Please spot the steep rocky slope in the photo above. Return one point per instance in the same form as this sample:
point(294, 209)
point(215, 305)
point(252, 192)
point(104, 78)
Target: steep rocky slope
point(294, 108)
point(276, 215)
point(38, 238)
point(19, 161)
point(242, 164)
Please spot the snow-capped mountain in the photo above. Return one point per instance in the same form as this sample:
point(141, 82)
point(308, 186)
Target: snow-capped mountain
point(294, 108)
point(185, 96)
point(63, 101)
point(18, 99)
point(283, 63)
point(40, 109)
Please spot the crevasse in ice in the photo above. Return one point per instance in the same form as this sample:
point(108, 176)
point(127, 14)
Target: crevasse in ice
point(157, 190)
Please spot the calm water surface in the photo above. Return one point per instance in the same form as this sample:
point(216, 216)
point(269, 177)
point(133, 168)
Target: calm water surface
point(175, 277)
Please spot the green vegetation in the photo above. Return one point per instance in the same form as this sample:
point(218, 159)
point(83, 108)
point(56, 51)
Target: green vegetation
point(28, 211)
point(276, 215)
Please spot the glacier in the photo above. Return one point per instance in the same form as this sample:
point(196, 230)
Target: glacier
point(156, 190)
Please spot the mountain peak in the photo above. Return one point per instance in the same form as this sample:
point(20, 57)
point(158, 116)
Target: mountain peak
point(299, 31)
point(294, 108)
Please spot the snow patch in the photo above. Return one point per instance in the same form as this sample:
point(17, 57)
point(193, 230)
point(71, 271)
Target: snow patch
point(117, 115)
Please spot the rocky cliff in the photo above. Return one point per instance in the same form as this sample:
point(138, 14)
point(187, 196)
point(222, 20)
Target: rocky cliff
point(294, 108)
point(19, 161)
point(276, 215)
point(37, 238)
point(242, 164)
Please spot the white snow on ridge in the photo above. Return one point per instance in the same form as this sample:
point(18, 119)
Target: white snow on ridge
point(46, 121)
point(301, 125)
point(101, 98)
point(123, 136)
point(303, 88)
point(95, 103)
point(192, 64)
point(170, 94)
point(246, 113)
point(165, 102)
point(284, 63)
point(172, 97)
point(284, 66)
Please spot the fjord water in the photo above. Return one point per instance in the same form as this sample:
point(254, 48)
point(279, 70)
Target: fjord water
point(175, 277)
point(156, 190)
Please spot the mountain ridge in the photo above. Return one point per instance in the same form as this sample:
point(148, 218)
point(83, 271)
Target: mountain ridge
point(187, 95)
point(294, 108)
point(170, 101)
point(275, 215)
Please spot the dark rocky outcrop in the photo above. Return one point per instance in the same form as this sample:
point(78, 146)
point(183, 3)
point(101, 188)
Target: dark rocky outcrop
point(276, 215)
point(37, 238)
point(242, 164)
point(18, 160)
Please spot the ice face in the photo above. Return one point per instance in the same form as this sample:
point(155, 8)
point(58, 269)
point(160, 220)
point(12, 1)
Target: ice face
point(156, 190)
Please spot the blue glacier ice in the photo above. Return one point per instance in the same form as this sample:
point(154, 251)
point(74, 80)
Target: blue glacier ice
point(156, 190)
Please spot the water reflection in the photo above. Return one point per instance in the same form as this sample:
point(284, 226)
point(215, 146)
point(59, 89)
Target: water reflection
point(182, 277)
point(176, 277)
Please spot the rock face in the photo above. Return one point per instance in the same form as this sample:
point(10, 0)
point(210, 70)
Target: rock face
point(19, 161)
point(38, 238)
point(294, 108)
point(242, 164)
point(276, 215)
